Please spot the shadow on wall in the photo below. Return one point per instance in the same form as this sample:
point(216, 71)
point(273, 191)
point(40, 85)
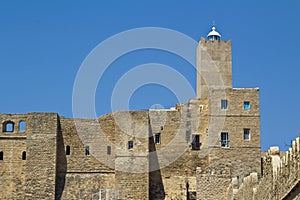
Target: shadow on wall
point(156, 186)
point(61, 163)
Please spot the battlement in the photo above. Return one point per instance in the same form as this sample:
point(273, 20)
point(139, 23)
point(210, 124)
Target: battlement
point(280, 176)
point(217, 44)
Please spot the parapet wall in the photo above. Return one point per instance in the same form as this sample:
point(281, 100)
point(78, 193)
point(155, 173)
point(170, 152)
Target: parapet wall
point(280, 177)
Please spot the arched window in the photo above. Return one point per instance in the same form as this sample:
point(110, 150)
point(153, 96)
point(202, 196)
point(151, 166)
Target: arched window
point(68, 150)
point(8, 126)
point(1, 155)
point(22, 126)
point(24, 155)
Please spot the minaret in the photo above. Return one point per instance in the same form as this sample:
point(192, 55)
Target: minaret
point(214, 64)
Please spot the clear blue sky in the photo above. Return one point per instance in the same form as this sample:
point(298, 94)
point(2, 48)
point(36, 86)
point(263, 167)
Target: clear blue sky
point(43, 44)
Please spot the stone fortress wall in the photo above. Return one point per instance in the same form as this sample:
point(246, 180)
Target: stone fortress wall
point(57, 165)
point(279, 179)
point(208, 148)
point(43, 172)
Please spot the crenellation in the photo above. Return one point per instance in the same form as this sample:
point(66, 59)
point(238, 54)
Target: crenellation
point(280, 177)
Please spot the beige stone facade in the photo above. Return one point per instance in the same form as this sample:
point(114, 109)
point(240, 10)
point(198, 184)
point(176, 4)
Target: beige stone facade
point(208, 148)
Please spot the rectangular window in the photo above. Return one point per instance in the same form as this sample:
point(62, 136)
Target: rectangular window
point(24, 155)
point(223, 104)
point(108, 150)
point(130, 144)
point(157, 138)
point(195, 142)
point(68, 150)
point(246, 134)
point(224, 139)
point(1, 155)
point(87, 150)
point(246, 105)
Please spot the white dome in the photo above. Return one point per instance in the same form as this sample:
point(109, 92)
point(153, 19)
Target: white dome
point(214, 32)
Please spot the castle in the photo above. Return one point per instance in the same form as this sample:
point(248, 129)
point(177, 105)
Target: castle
point(206, 149)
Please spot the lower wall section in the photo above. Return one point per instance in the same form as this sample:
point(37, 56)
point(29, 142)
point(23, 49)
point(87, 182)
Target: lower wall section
point(132, 177)
point(213, 185)
point(86, 185)
point(241, 161)
point(12, 169)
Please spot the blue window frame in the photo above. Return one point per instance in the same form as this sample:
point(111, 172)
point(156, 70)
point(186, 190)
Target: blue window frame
point(223, 104)
point(246, 105)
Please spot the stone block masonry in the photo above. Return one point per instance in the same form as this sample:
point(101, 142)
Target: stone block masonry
point(13, 145)
point(208, 148)
point(42, 131)
point(280, 177)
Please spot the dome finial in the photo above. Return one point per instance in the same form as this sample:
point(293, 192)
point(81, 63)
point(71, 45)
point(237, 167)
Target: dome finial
point(213, 35)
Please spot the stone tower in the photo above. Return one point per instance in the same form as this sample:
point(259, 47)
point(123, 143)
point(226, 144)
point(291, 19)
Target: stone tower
point(234, 116)
point(214, 64)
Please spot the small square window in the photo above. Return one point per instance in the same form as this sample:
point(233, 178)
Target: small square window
point(246, 105)
point(157, 138)
point(223, 104)
point(247, 134)
point(130, 144)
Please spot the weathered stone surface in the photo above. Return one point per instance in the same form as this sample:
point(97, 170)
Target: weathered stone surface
point(152, 154)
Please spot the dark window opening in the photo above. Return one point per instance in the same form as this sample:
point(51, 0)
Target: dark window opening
point(108, 150)
point(22, 126)
point(24, 155)
point(130, 144)
point(1, 155)
point(8, 126)
point(247, 134)
point(246, 105)
point(224, 139)
point(157, 138)
point(196, 142)
point(68, 150)
point(161, 128)
point(87, 150)
point(224, 104)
